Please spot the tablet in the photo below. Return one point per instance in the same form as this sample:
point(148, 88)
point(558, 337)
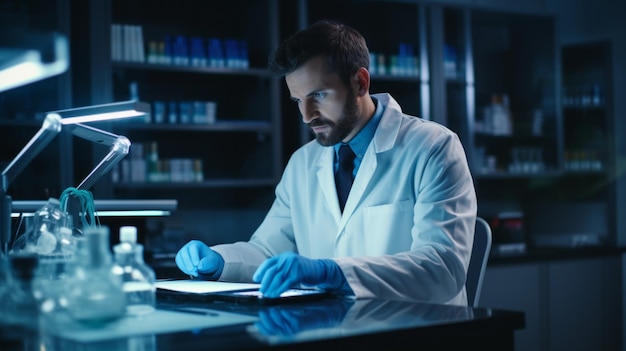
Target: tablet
point(197, 290)
point(173, 295)
point(254, 296)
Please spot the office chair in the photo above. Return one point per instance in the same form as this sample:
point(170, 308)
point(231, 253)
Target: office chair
point(478, 261)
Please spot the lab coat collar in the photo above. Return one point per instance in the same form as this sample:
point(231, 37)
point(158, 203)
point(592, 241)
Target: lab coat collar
point(389, 126)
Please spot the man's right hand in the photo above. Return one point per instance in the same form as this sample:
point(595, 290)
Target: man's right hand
point(198, 260)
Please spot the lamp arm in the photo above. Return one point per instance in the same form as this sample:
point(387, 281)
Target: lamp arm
point(50, 127)
point(119, 147)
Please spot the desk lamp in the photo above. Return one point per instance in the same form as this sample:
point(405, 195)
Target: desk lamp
point(29, 57)
point(71, 120)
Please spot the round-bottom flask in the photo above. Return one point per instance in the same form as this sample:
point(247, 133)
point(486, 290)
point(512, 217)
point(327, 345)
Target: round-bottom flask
point(94, 292)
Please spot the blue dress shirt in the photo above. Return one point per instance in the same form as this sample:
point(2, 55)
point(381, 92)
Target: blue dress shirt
point(359, 143)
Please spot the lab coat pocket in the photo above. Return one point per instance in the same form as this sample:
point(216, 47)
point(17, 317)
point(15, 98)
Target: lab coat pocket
point(387, 228)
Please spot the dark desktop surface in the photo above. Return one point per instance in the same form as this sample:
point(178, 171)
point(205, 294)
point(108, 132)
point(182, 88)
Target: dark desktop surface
point(330, 322)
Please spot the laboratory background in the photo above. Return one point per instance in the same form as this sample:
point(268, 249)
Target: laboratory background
point(535, 90)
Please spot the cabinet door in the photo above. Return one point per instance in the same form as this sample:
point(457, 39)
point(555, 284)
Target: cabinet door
point(518, 287)
point(584, 304)
point(569, 305)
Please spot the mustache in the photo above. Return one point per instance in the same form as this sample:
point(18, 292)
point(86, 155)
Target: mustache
point(319, 122)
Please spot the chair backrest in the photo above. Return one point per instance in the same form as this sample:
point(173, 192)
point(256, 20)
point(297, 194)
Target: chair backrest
point(478, 261)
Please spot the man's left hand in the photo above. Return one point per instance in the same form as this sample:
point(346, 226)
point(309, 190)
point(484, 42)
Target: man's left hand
point(287, 270)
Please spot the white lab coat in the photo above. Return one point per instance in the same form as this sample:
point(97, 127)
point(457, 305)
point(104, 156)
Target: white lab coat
point(408, 224)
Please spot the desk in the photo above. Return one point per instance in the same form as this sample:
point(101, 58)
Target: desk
point(332, 323)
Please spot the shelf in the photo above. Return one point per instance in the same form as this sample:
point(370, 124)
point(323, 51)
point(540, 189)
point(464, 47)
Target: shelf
point(230, 126)
point(392, 78)
point(206, 184)
point(599, 172)
point(584, 108)
point(511, 138)
point(516, 175)
point(257, 72)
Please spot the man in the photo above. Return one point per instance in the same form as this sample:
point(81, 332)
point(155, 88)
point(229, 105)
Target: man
point(406, 230)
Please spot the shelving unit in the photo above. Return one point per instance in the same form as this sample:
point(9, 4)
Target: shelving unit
point(240, 146)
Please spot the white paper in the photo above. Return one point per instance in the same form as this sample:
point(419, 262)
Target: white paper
point(202, 286)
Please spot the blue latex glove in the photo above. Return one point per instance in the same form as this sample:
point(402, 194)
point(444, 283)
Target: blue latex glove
point(288, 320)
point(198, 260)
point(288, 270)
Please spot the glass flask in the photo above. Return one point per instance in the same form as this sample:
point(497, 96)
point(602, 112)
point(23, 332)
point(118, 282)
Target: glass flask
point(94, 293)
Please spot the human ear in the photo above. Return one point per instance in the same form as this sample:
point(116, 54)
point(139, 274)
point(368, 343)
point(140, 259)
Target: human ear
point(362, 80)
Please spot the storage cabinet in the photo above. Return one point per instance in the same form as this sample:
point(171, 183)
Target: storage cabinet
point(569, 304)
point(519, 288)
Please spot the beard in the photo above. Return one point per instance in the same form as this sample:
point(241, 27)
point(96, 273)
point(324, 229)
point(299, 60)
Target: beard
point(344, 125)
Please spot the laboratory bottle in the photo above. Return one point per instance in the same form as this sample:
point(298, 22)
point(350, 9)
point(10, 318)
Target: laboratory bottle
point(94, 292)
point(500, 121)
point(152, 158)
point(138, 279)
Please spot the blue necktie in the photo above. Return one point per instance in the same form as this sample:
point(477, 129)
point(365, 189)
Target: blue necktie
point(343, 176)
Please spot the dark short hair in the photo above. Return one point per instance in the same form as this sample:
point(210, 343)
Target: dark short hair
point(344, 47)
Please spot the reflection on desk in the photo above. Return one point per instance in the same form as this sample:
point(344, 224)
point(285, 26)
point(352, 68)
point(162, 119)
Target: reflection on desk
point(343, 318)
point(336, 323)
